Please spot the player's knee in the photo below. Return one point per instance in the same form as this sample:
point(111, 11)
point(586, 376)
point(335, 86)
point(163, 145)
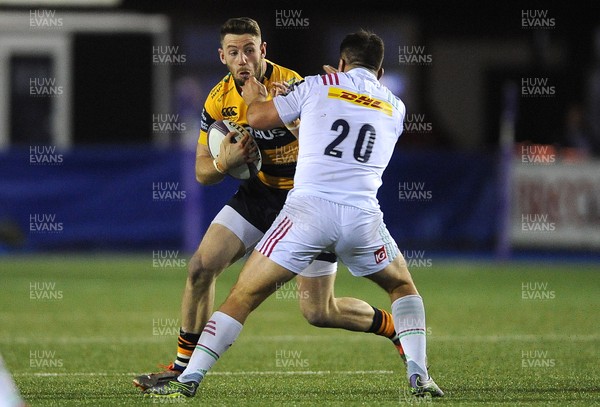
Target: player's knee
point(199, 270)
point(315, 316)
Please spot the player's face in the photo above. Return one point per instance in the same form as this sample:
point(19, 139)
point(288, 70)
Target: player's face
point(244, 56)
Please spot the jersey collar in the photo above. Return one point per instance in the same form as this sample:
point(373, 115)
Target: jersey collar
point(268, 71)
point(362, 72)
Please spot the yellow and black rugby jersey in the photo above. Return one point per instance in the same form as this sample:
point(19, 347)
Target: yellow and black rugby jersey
point(279, 147)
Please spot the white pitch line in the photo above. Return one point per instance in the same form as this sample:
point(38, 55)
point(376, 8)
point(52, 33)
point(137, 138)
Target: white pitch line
point(254, 373)
point(515, 338)
point(301, 338)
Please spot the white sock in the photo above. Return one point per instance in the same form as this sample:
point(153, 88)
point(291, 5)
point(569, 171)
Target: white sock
point(409, 320)
point(218, 335)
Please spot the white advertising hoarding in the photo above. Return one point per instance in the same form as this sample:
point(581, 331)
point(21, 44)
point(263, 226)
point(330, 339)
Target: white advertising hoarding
point(555, 205)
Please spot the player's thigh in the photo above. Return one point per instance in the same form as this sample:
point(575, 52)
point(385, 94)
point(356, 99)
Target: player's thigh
point(259, 278)
point(395, 277)
point(219, 248)
point(315, 292)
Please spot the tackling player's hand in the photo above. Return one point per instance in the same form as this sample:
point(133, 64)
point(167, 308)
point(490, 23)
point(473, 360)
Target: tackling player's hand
point(254, 90)
point(234, 153)
point(329, 69)
point(279, 88)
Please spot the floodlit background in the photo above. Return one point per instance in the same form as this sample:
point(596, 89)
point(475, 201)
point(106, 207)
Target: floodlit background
point(493, 195)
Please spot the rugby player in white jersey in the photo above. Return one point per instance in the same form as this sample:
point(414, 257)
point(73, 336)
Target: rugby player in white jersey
point(350, 125)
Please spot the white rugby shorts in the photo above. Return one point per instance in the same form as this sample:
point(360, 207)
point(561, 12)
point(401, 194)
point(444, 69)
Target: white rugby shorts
point(308, 225)
point(250, 235)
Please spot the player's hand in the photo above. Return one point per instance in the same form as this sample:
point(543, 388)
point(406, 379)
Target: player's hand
point(254, 90)
point(329, 69)
point(234, 153)
point(279, 88)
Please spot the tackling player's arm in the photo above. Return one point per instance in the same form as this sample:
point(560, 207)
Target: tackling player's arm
point(261, 114)
point(283, 88)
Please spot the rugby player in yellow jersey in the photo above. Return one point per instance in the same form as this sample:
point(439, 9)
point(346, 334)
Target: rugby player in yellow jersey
point(251, 211)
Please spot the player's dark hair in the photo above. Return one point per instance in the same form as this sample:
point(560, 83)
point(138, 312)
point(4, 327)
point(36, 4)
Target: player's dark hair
point(239, 26)
point(363, 48)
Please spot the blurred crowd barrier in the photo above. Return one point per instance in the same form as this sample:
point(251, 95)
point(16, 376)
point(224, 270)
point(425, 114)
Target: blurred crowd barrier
point(144, 198)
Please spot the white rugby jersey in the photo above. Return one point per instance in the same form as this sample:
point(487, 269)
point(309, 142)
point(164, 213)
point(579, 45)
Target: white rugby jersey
point(349, 126)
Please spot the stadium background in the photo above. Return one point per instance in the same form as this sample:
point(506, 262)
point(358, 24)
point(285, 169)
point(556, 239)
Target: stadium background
point(105, 146)
point(493, 194)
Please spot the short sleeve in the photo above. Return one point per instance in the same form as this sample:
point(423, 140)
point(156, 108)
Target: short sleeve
point(289, 106)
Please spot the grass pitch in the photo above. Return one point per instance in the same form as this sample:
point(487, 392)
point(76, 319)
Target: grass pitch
point(76, 329)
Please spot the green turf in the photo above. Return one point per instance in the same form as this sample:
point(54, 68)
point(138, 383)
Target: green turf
point(486, 344)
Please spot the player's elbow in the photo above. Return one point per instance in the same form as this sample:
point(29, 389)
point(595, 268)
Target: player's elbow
point(203, 176)
point(206, 179)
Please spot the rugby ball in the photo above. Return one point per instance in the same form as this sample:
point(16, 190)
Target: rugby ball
point(217, 132)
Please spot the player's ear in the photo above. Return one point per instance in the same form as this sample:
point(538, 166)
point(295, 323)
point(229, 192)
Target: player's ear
point(222, 56)
point(341, 65)
point(263, 49)
point(380, 73)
